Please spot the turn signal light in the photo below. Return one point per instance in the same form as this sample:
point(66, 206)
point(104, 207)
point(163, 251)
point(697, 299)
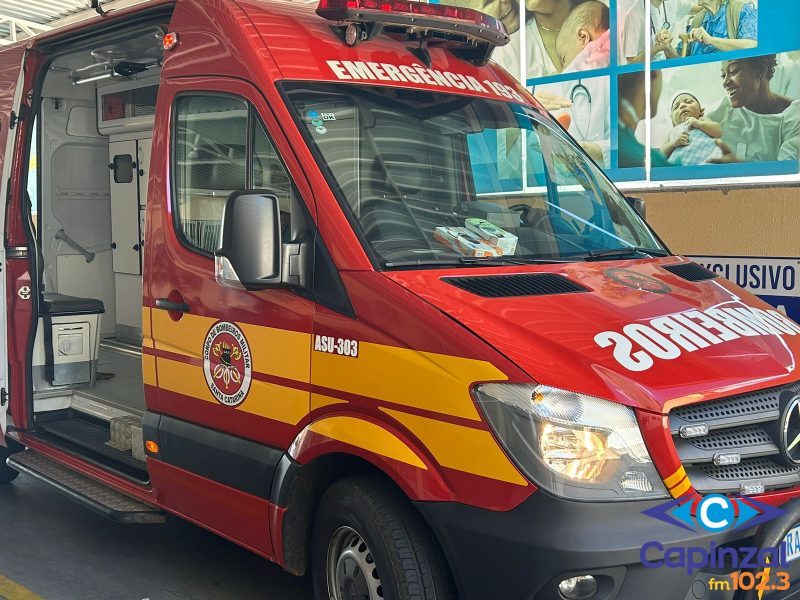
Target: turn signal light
point(151, 447)
point(170, 40)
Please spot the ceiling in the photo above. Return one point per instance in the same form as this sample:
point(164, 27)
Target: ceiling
point(20, 19)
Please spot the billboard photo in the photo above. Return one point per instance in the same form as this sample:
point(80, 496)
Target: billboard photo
point(664, 90)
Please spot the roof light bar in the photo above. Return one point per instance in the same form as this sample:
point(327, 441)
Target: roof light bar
point(345, 10)
point(458, 28)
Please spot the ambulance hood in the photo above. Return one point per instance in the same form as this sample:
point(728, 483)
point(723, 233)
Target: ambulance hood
point(635, 332)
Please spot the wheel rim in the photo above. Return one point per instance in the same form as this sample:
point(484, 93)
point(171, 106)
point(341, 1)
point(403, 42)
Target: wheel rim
point(352, 574)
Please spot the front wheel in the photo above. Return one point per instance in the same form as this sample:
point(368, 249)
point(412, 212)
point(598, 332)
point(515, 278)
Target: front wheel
point(370, 544)
point(7, 474)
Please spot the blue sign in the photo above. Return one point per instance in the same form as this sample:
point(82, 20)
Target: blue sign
point(774, 280)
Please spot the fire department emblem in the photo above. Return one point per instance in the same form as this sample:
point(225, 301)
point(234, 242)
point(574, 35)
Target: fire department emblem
point(638, 281)
point(226, 363)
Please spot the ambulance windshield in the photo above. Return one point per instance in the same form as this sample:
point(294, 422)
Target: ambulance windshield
point(440, 179)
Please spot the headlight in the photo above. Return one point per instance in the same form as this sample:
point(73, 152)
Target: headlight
point(573, 445)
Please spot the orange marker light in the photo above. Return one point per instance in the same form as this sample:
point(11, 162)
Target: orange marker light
point(151, 447)
point(170, 40)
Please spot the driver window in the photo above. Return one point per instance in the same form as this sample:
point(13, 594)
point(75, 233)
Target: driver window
point(210, 157)
point(270, 174)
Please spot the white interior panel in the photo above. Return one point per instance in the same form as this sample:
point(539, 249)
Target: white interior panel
point(145, 146)
point(129, 302)
point(81, 201)
point(74, 195)
point(81, 122)
point(91, 280)
point(125, 211)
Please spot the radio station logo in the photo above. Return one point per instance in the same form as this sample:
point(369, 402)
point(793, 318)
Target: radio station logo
point(714, 513)
point(709, 515)
point(226, 363)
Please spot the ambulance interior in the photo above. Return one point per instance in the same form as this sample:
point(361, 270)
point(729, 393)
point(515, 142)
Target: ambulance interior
point(88, 191)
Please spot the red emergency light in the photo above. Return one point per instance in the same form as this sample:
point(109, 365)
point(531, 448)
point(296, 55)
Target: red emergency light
point(468, 32)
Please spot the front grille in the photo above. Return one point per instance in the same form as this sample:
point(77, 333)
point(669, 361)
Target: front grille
point(727, 439)
point(749, 469)
point(747, 424)
point(750, 404)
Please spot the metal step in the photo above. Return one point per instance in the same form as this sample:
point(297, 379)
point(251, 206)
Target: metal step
point(94, 436)
point(93, 494)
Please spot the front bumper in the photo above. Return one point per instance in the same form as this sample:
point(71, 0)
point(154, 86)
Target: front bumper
point(526, 552)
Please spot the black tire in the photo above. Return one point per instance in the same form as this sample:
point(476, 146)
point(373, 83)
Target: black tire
point(407, 560)
point(7, 474)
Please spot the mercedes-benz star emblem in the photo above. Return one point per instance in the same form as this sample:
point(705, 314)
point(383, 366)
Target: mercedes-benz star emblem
point(790, 431)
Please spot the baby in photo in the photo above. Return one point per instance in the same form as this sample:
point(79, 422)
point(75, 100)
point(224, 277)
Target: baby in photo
point(584, 42)
point(693, 137)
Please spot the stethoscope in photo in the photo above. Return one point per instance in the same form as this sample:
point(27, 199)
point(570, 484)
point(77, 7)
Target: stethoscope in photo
point(581, 99)
point(666, 24)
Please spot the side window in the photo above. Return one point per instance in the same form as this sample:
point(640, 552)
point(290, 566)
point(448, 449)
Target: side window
point(210, 162)
point(212, 159)
point(269, 172)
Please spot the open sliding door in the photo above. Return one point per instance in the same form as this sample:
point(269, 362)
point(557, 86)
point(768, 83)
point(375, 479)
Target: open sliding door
point(11, 77)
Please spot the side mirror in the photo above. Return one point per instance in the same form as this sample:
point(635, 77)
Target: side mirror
point(252, 255)
point(637, 204)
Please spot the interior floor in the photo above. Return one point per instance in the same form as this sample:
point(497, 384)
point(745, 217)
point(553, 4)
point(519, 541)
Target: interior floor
point(102, 421)
point(90, 437)
point(119, 379)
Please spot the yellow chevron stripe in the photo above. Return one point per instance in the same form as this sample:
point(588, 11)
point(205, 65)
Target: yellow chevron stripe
point(675, 478)
point(268, 400)
point(463, 448)
point(147, 331)
point(435, 382)
point(367, 436)
point(681, 488)
point(181, 337)
point(278, 352)
point(183, 379)
point(149, 370)
point(12, 590)
point(321, 400)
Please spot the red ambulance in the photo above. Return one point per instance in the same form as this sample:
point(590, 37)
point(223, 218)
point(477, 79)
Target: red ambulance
point(321, 278)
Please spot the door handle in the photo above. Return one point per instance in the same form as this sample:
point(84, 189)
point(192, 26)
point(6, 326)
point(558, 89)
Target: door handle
point(167, 304)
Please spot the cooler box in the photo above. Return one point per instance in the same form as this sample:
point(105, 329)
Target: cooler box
point(67, 341)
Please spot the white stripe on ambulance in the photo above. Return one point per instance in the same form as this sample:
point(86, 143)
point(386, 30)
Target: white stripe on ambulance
point(667, 337)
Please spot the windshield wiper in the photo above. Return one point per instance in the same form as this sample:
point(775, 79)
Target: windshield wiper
point(511, 260)
point(475, 261)
point(612, 252)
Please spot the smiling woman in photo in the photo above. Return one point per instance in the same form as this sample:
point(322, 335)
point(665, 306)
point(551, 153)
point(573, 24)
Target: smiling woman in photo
point(757, 123)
